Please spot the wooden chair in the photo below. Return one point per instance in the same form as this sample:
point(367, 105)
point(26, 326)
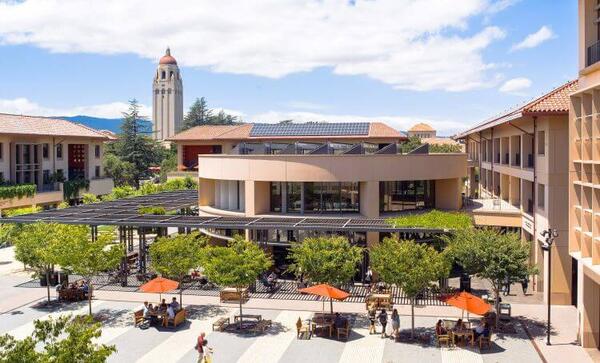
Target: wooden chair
point(261, 326)
point(178, 319)
point(138, 317)
point(221, 324)
point(443, 338)
point(302, 330)
point(345, 331)
point(485, 340)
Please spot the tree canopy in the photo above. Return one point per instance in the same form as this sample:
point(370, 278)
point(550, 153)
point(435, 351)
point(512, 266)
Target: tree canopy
point(330, 260)
point(200, 114)
point(409, 265)
point(135, 150)
point(491, 255)
point(174, 257)
point(65, 339)
point(414, 142)
point(237, 265)
point(84, 256)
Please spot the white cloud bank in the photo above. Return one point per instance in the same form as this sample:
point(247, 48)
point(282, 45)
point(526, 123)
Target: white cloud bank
point(535, 39)
point(114, 110)
point(23, 106)
point(409, 44)
point(516, 86)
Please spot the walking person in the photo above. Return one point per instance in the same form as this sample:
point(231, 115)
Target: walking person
point(395, 324)
point(200, 345)
point(507, 286)
point(525, 285)
point(383, 318)
point(372, 313)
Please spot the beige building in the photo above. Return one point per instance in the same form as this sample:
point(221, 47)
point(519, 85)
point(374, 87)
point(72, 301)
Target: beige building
point(167, 98)
point(34, 150)
point(518, 178)
point(316, 170)
point(584, 177)
point(422, 131)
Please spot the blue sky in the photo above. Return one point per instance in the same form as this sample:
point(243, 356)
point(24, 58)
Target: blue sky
point(397, 61)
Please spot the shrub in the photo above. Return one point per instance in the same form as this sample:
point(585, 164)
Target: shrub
point(434, 219)
point(17, 191)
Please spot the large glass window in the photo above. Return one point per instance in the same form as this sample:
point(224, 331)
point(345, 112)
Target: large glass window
point(395, 196)
point(276, 197)
point(294, 197)
point(349, 201)
point(331, 197)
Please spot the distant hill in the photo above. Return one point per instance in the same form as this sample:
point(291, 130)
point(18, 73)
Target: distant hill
point(111, 124)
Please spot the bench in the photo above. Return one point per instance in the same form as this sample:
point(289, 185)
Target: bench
point(138, 317)
point(247, 316)
point(261, 326)
point(178, 319)
point(221, 324)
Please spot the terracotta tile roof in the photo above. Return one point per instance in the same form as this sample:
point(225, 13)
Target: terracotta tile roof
point(242, 132)
point(43, 126)
point(553, 102)
point(421, 127)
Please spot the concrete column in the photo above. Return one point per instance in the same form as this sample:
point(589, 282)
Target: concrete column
point(232, 195)
point(206, 192)
point(448, 194)
point(224, 187)
point(242, 195)
point(180, 165)
point(369, 199)
point(590, 314)
point(249, 187)
point(283, 197)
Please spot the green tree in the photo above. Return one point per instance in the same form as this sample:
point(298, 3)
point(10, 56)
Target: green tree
point(36, 246)
point(410, 266)
point(237, 265)
point(84, 256)
point(222, 118)
point(409, 145)
point(120, 171)
point(199, 114)
point(135, 148)
point(168, 164)
point(445, 148)
point(65, 339)
point(491, 255)
point(329, 260)
point(174, 257)
point(8, 231)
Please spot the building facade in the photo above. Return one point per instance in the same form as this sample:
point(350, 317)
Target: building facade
point(422, 131)
point(518, 173)
point(584, 176)
point(167, 98)
point(40, 151)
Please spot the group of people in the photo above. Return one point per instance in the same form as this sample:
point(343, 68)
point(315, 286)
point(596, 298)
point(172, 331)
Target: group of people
point(81, 287)
point(383, 318)
point(151, 312)
point(482, 329)
point(507, 283)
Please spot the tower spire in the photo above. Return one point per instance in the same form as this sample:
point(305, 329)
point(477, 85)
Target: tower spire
point(168, 51)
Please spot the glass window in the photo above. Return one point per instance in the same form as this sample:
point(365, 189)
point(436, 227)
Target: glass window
point(395, 196)
point(97, 151)
point(541, 197)
point(97, 171)
point(276, 197)
point(349, 197)
point(59, 151)
point(294, 197)
point(46, 177)
point(541, 141)
point(312, 197)
point(45, 151)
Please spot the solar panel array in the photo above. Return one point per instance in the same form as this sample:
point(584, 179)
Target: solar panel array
point(311, 129)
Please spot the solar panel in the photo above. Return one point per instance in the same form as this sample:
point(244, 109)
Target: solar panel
point(311, 129)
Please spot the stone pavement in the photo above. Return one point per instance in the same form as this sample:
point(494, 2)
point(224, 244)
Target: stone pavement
point(279, 344)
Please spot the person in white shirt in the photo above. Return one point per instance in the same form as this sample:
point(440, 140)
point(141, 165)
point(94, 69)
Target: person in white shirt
point(170, 312)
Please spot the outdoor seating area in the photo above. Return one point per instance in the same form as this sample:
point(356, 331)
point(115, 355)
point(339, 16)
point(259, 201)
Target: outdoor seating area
point(451, 332)
point(73, 292)
point(245, 323)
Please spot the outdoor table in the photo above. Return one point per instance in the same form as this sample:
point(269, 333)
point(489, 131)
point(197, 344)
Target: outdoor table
point(322, 322)
point(161, 315)
point(237, 318)
point(467, 333)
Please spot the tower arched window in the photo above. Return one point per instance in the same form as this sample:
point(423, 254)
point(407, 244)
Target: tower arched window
point(162, 91)
point(171, 74)
point(163, 74)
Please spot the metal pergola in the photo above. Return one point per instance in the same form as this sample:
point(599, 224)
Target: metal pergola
point(179, 205)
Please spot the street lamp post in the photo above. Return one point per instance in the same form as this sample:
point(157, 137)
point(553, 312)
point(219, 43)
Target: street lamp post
point(549, 235)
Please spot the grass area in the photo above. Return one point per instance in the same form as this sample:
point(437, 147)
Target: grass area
point(434, 219)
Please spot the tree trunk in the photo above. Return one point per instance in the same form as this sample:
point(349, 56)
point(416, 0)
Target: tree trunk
point(48, 284)
point(412, 317)
point(241, 314)
point(497, 304)
point(90, 293)
point(181, 292)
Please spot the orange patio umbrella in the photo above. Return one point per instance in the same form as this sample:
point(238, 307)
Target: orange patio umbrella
point(468, 302)
point(159, 285)
point(326, 291)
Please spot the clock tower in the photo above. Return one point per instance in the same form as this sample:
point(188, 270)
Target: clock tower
point(167, 98)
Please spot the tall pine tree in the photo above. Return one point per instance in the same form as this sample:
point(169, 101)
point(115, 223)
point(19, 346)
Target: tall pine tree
point(199, 114)
point(134, 147)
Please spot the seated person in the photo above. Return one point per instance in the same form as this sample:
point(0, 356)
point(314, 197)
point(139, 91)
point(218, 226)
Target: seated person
point(170, 313)
point(163, 305)
point(339, 322)
point(481, 330)
point(459, 325)
point(175, 304)
point(440, 329)
point(85, 287)
point(147, 311)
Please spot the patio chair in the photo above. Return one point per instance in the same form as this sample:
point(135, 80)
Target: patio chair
point(485, 340)
point(345, 331)
point(302, 330)
point(138, 317)
point(443, 338)
point(178, 319)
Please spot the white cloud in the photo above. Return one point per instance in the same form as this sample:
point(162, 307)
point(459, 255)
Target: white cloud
point(444, 127)
point(535, 39)
point(409, 44)
point(516, 86)
point(108, 110)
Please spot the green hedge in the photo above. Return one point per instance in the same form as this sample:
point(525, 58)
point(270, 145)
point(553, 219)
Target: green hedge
point(434, 219)
point(151, 188)
point(17, 191)
point(155, 210)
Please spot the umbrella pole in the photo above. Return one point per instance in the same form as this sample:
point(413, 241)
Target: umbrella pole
point(331, 304)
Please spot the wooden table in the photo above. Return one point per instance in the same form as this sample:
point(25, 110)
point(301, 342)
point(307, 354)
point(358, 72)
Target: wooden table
point(321, 322)
point(467, 333)
point(237, 318)
point(232, 294)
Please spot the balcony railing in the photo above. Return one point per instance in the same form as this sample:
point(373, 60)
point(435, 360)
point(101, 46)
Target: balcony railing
point(593, 54)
